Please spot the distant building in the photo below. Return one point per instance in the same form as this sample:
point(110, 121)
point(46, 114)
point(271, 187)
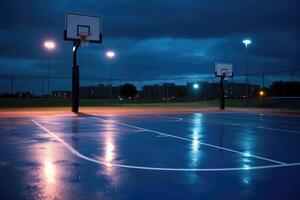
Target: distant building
point(63, 94)
point(165, 91)
point(27, 94)
point(100, 91)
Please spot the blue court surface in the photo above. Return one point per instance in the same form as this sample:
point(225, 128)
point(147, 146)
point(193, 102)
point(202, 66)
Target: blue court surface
point(171, 156)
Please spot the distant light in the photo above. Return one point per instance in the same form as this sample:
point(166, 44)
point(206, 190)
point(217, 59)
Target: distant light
point(74, 48)
point(261, 93)
point(247, 42)
point(49, 45)
point(110, 54)
point(196, 86)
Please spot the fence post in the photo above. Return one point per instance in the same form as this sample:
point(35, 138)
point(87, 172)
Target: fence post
point(211, 92)
point(165, 92)
point(231, 91)
point(120, 92)
point(141, 93)
point(12, 91)
point(187, 92)
point(43, 92)
point(11, 85)
point(263, 87)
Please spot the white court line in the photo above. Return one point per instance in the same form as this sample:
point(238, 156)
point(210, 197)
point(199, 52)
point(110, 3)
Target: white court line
point(190, 140)
point(78, 154)
point(239, 124)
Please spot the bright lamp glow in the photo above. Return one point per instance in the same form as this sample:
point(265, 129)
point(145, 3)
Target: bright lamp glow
point(195, 86)
point(49, 45)
point(110, 54)
point(261, 93)
point(247, 42)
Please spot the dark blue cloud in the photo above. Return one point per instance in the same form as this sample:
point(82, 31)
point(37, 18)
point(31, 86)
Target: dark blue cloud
point(153, 38)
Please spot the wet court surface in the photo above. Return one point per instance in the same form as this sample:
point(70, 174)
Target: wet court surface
point(174, 156)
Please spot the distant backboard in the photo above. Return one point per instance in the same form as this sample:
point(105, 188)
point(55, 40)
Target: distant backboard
point(223, 69)
point(82, 27)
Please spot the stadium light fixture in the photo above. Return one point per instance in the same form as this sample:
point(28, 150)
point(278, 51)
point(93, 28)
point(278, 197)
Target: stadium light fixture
point(196, 86)
point(247, 42)
point(110, 54)
point(49, 44)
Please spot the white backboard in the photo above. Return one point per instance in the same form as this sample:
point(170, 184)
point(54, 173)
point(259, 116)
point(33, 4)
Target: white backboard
point(223, 69)
point(77, 24)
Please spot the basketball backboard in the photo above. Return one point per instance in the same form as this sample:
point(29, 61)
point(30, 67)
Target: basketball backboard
point(82, 27)
point(223, 69)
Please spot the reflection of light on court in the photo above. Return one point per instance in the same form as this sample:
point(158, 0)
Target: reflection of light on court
point(109, 142)
point(247, 154)
point(49, 171)
point(109, 152)
point(246, 180)
point(246, 167)
point(196, 135)
point(195, 145)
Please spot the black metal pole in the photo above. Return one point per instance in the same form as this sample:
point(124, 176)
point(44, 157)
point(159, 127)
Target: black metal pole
point(263, 89)
point(141, 94)
point(75, 78)
point(246, 73)
point(48, 91)
point(222, 97)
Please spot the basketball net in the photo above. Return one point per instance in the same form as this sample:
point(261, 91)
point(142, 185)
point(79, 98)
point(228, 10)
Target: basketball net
point(225, 73)
point(85, 38)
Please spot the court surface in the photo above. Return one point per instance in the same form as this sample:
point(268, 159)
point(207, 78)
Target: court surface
point(222, 155)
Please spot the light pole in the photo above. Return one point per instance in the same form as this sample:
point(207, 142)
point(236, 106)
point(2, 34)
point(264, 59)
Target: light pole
point(195, 87)
point(246, 43)
point(49, 45)
point(110, 55)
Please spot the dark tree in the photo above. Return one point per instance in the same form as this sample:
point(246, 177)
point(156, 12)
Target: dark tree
point(285, 89)
point(128, 91)
point(181, 91)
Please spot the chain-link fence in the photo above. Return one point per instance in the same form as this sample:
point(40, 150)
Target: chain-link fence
point(274, 89)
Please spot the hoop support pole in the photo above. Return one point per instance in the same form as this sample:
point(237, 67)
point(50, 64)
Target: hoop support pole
point(222, 96)
point(75, 78)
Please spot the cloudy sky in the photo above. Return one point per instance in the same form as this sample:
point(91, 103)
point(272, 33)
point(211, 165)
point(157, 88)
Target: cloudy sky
point(152, 39)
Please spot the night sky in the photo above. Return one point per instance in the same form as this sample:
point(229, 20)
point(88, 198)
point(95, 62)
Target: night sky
point(152, 39)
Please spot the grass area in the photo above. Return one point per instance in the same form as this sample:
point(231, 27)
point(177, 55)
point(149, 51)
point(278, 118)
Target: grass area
point(50, 102)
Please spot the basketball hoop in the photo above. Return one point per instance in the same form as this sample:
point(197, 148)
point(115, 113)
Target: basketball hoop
point(223, 70)
point(85, 38)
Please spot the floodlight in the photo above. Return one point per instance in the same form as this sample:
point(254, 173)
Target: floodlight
point(110, 54)
point(49, 45)
point(247, 42)
point(196, 86)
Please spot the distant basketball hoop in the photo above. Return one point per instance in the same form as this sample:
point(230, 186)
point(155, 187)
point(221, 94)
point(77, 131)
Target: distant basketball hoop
point(223, 70)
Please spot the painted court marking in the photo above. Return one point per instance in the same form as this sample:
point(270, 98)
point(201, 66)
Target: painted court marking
point(190, 140)
point(78, 154)
point(239, 124)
